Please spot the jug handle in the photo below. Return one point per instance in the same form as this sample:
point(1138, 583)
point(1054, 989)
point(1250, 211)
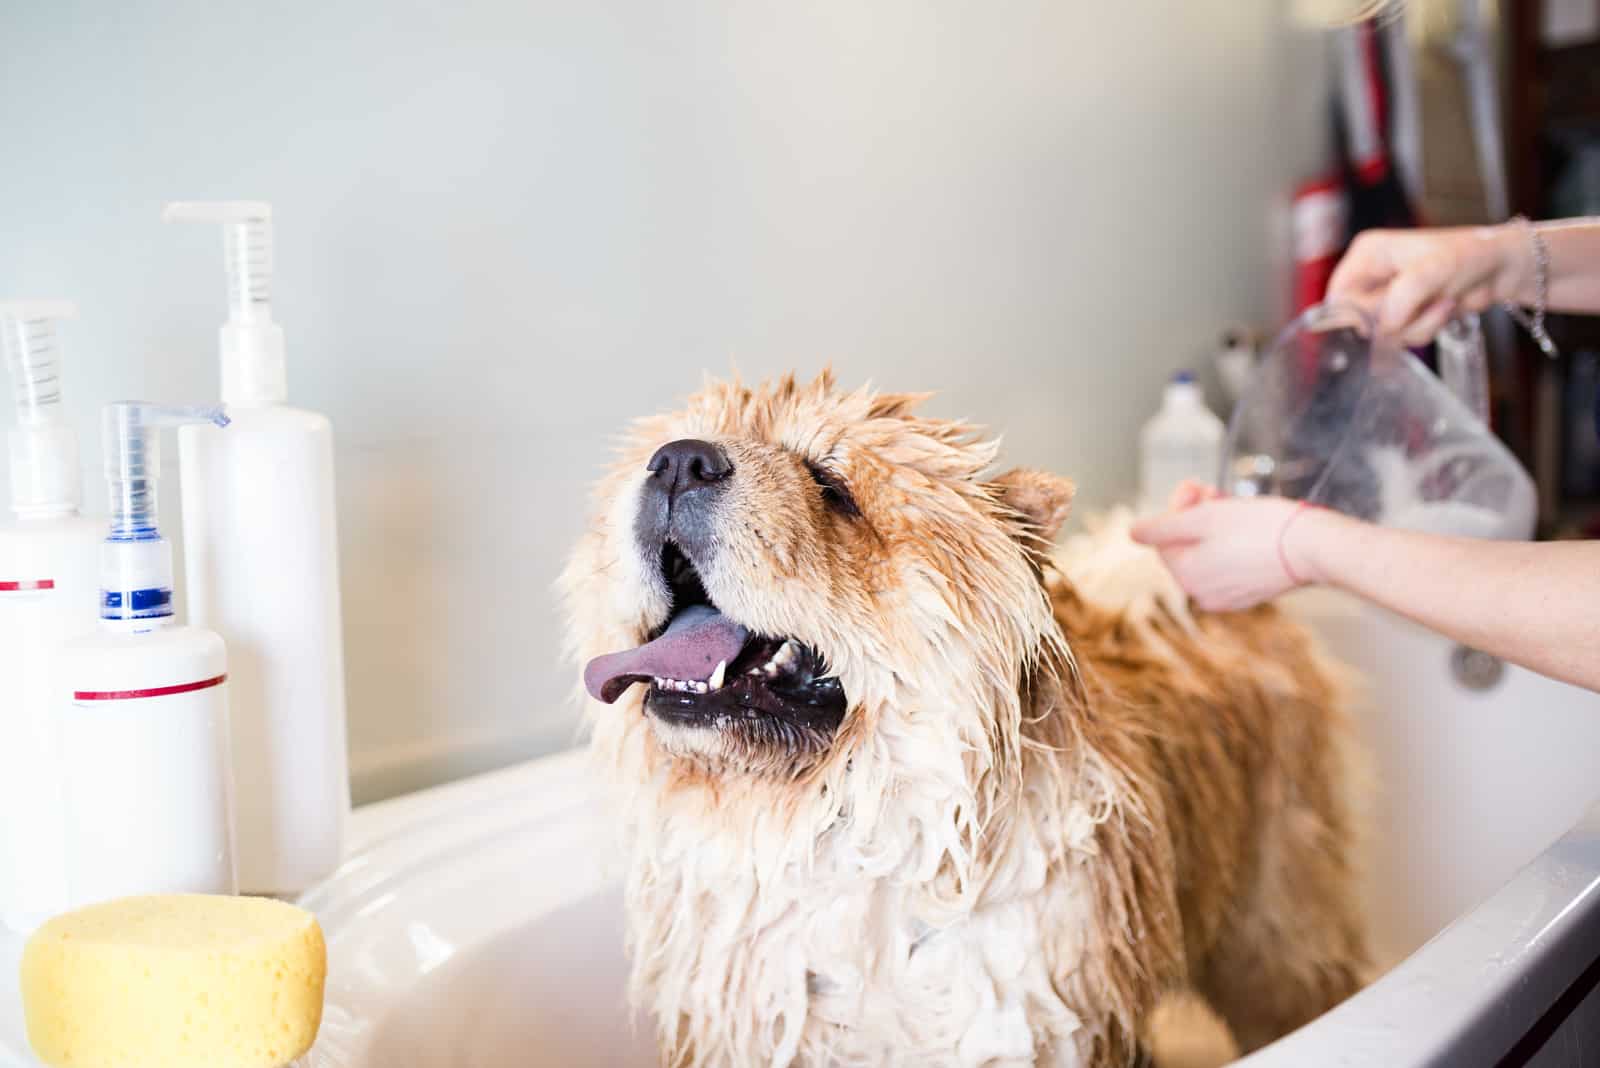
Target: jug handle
point(1464, 364)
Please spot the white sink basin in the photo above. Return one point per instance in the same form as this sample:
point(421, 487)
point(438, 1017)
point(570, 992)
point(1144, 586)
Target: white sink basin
point(490, 937)
point(547, 992)
point(488, 934)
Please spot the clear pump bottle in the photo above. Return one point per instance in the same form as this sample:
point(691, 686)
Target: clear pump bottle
point(144, 703)
point(47, 597)
point(262, 569)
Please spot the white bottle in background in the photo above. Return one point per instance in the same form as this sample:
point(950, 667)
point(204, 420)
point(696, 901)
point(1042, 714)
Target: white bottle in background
point(262, 569)
point(48, 592)
point(1182, 441)
point(143, 704)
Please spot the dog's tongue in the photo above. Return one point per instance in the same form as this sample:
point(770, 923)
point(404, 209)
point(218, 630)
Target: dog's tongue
point(697, 641)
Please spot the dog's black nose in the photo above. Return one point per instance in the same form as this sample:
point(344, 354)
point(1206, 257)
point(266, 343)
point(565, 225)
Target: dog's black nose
point(680, 466)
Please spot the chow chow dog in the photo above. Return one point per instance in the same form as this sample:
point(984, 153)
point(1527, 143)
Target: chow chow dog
point(900, 784)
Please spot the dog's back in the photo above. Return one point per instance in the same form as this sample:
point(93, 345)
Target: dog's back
point(1229, 735)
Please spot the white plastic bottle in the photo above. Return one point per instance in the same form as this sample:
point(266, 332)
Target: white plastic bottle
point(1182, 441)
point(48, 593)
point(262, 569)
point(143, 704)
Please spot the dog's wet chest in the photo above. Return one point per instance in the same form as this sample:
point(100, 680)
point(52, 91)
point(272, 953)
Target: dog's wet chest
point(875, 967)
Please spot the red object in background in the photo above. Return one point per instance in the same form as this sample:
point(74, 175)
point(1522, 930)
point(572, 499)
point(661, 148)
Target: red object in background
point(1318, 220)
point(1364, 189)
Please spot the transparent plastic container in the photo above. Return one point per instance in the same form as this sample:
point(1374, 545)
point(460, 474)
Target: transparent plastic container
point(1337, 419)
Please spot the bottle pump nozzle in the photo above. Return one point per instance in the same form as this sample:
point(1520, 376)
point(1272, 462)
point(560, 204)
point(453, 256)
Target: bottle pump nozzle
point(252, 344)
point(136, 561)
point(45, 478)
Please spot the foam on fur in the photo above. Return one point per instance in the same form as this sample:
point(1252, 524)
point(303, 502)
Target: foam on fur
point(1107, 567)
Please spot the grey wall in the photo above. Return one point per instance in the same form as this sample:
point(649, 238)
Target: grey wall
point(506, 227)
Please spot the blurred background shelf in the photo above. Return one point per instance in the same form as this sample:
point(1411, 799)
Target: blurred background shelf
point(1552, 58)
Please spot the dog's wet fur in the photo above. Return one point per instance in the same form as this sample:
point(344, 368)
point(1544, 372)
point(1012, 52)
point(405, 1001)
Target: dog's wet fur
point(949, 797)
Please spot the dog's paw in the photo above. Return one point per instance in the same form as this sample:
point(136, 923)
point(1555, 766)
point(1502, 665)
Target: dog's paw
point(1184, 1032)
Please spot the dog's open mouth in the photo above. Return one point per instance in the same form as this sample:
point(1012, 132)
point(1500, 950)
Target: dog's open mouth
point(704, 669)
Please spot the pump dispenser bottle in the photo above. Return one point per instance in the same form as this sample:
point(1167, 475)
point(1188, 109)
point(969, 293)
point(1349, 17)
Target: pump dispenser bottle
point(143, 703)
point(47, 597)
point(261, 563)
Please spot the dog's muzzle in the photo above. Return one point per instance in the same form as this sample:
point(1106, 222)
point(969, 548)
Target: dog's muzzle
point(704, 669)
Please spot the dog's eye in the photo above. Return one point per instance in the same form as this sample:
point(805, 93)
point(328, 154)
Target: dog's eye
point(835, 493)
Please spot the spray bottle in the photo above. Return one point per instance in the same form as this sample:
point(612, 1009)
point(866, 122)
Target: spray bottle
point(143, 702)
point(47, 597)
point(262, 569)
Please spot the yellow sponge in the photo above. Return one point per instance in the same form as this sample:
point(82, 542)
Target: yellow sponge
point(175, 981)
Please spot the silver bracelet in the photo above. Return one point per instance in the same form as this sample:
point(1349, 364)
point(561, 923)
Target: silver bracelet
point(1541, 289)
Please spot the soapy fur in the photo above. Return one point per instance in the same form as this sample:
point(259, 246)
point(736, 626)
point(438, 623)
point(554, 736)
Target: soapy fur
point(1056, 796)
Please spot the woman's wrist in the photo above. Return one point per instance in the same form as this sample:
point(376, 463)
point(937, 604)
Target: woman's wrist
point(1572, 262)
point(1516, 274)
point(1304, 544)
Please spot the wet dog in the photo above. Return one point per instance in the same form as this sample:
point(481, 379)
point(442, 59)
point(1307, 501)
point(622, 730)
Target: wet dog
point(901, 785)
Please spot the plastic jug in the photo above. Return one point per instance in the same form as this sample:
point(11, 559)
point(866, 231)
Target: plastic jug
point(1338, 419)
point(1182, 441)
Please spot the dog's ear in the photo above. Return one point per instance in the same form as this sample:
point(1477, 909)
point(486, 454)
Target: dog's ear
point(1042, 499)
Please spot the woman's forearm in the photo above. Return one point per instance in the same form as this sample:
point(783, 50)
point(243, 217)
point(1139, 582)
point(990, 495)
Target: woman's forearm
point(1534, 604)
point(1574, 265)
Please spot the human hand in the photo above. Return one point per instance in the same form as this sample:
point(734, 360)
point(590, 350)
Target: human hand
point(1229, 553)
point(1412, 282)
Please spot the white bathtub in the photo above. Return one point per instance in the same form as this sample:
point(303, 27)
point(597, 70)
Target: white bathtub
point(1484, 865)
point(479, 927)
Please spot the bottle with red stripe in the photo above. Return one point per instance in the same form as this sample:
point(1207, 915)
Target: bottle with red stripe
point(48, 584)
point(144, 703)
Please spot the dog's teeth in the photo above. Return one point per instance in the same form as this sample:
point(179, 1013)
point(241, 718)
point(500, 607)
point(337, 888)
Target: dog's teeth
point(715, 682)
point(697, 687)
point(786, 656)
